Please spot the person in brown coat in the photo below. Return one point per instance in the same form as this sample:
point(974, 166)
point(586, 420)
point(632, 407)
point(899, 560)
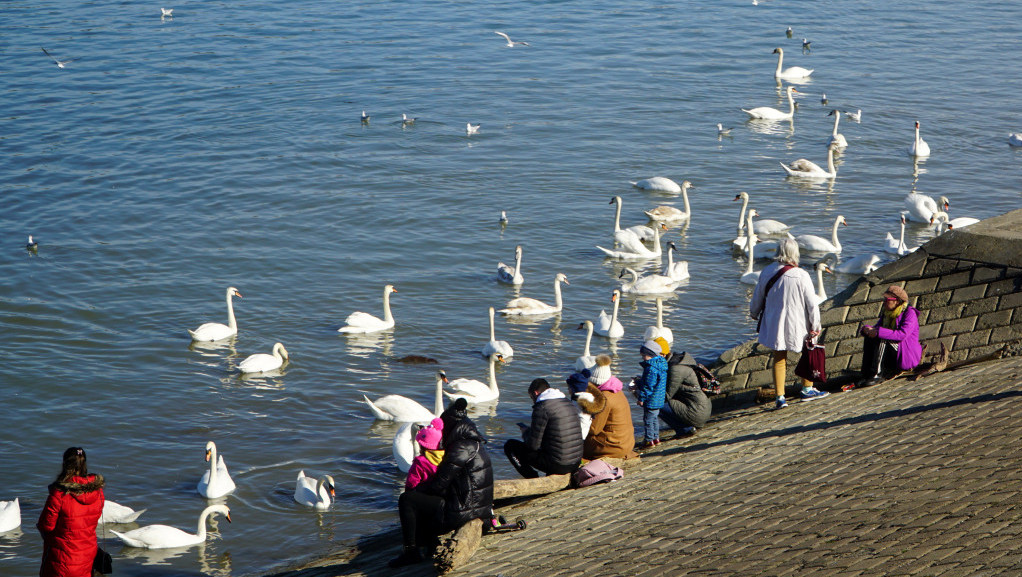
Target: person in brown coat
point(612, 433)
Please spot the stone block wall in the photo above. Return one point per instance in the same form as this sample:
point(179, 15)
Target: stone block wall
point(966, 284)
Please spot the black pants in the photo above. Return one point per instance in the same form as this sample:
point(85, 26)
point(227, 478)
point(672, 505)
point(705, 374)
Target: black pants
point(879, 358)
point(526, 462)
point(420, 518)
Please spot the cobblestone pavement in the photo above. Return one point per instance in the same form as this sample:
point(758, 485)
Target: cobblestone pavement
point(907, 478)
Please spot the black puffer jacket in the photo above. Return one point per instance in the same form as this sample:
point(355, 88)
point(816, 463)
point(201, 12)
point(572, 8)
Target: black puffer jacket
point(464, 477)
point(684, 394)
point(555, 431)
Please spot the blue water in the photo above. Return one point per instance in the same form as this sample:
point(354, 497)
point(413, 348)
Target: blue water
point(222, 147)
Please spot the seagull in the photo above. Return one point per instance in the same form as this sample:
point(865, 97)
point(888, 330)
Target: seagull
point(510, 44)
point(32, 245)
point(365, 117)
point(721, 131)
point(471, 128)
point(788, 33)
point(60, 63)
point(165, 12)
point(805, 44)
point(856, 116)
point(823, 99)
point(503, 219)
point(405, 121)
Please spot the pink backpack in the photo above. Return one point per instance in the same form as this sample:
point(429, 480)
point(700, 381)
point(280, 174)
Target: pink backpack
point(595, 471)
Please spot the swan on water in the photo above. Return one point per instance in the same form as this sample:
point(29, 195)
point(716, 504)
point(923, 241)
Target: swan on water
point(647, 285)
point(313, 493)
point(117, 513)
point(676, 270)
point(664, 213)
point(403, 446)
point(940, 219)
point(764, 226)
point(767, 113)
point(898, 246)
point(919, 147)
point(360, 323)
point(794, 72)
point(509, 275)
point(750, 276)
point(820, 244)
point(473, 391)
point(166, 537)
point(216, 481)
point(640, 252)
point(262, 362)
point(209, 332)
point(608, 325)
point(922, 208)
point(659, 184)
point(821, 293)
point(586, 360)
point(837, 139)
point(524, 306)
point(404, 410)
point(862, 264)
point(10, 515)
point(803, 168)
point(495, 346)
point(659, 330)
point(632, 237)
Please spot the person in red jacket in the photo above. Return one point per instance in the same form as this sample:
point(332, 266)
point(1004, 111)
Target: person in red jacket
point(69, 518)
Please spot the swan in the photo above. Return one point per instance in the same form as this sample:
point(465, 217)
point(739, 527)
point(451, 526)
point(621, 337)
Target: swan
point(862, 264)
point(803, 168)
point(659, 330)
point(647, 285)
point(641, 251)
point(495, 346)
point(659, 184)
point(941, 218)
point(473, 391)
point(922, 208)
point(524, 306)
point(767, 113)
point(587, 360)
point(209, 332)
point(216, 482)
point(10, 515)
point(117, 513)
point(676, 270)
point(820, 244)
point(855, 116)
point(630, 238)
point(821, 293)
point(764, 226)
point(665, 213)
point(313, 493)
point(262, 362)
point(403, 446)
point(509, 275)
point(608, 325)
point(837, 139)
point(793, 72)
point(750, 276)
point(1014, 139)
point(360, 322)
point(402, 409)
point(166, 537)
point(919, 147)
point(898, 247)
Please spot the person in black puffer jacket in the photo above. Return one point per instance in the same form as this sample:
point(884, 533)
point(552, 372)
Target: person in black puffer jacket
point(459, 491)
point(553, 443)
point(687, 407)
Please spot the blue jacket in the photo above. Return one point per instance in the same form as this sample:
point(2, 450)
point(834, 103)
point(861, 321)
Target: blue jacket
point(651, 389)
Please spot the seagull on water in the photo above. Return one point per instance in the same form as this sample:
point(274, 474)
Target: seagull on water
point(805, 45)
point(788, 32)
point(856, 116)
point(721, 131)
point(823, 99)
point(510, 44)
point(365, 117)
point(32, 245)
point(503, 219)
point(60, 63)
point(405, 121)
point(471, 128)
point(166, 12)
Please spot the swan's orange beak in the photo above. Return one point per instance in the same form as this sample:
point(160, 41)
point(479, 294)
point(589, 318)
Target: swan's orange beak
point(613, 297)
point(207, 454)
point(237, 294)
point(332, 492)
point(228, 517)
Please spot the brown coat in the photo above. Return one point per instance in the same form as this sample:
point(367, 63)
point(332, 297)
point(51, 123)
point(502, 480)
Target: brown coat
point(612, 433)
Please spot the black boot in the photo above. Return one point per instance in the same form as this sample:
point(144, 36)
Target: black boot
point(409, 556)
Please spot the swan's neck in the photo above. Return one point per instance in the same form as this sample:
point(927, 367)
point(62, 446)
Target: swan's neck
point(319, 491)
point(657, 251)
point(493, 335)
point(659, 314)
point(741, 217)
point(791, 101)
point(493, 375)
point(830, 161)
point(518, 262)
point(819, 285)
point(780, 61)
point(749, 245)
point(557, 294)
point(438, 400)
point(833, 235)
point(684, 196)
point(589, 339)
point(231, 321)
point(617, 214)
point(613, 316)
point(670, 260)
point(201, 531)
point(901, 239)
point(837, 118)
point(212, 466)
point(386, 307)
point(917, 137)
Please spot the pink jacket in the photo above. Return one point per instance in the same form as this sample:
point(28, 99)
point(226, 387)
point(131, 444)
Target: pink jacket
point(905, 332)
point(422, 469)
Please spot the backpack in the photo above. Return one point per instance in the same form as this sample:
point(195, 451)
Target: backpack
point(595, 471)
point(707, 380)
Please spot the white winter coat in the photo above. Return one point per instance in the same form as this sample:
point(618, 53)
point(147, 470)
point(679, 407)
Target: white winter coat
point(791, 310)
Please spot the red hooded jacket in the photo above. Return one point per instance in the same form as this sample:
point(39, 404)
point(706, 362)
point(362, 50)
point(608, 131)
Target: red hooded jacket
point(68, 526)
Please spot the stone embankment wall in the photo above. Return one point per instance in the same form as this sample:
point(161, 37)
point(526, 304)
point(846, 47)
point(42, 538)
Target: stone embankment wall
point(967, 285)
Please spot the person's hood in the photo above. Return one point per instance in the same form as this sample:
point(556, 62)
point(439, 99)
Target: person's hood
point(85, 490)
point(613, 385)
point(597, 403)
point(549, 394)
point(682, 358)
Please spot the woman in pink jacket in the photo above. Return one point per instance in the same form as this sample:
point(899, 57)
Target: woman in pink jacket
point(69, 518)
point(892, 345)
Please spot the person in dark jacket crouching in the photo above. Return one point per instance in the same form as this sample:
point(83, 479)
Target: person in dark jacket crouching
point(687, 408)
point(553, 443)
point(459, 491)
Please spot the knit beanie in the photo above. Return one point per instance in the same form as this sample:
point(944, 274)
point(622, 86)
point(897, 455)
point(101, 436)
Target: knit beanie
point(601, 372)
point(898, 292)
point(429, 437)
point(651, 348)
point(665, 346)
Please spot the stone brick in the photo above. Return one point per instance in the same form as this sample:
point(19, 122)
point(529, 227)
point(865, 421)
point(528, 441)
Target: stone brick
point(923, 316)
point(910, 266)
point(1010, 301)
point(980, 306)
point(973, 339)
point(857, 296)
point(985, 274)
point(727, 370)
point(929, 331)
point(940, 266)
point(958, 326)
point(941, 314)
point(1006, 334)
point(834, 316)
point(933, 345)
point(933, 300)
point(977, 352)
point(759, 378)
point(1006, 286)
point(839, 332)
point(830, 349)
point(751, 364)
point(849, 346)
point(920, 286)
point(737, 383)
point(969, 293)
point(739, 352)
point(855, 360)
point(859, 313)
point(954, 280)
point(994, 319)
point(876, 294)
point(840, 363)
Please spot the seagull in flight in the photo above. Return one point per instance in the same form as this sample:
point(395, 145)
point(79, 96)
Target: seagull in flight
point(471, 128)
point(60, 63)
point(510, 44)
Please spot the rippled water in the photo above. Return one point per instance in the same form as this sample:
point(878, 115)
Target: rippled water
point(222, 147)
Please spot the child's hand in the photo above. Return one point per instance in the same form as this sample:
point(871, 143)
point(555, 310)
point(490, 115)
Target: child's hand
point(639, 403)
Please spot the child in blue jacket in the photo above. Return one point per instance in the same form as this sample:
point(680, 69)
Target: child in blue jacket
point(651, 390)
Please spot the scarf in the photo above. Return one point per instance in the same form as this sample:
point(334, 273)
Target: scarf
point(890, 318)
point(434, 456)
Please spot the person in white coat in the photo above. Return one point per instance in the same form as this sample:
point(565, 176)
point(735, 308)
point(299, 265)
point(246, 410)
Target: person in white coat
point(784, 301)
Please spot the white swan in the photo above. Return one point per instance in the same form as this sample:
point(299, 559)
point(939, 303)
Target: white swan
point(664, 213)
point(313, 493)
point(117, 513)
point(608, 325)
point(10, 515)
point(495, 346)
point(524, 306)
point(750, 276)
point(587, 360)
point(215, 482)
point(922, 208)
point(648, 285)
point(360, 322)
point(767, 113)
point(862, 264)
point(941, 220)
point(209, 332)
point(659, 330)
point(898, 247)
point(919, 147)
point(403, 446)
point(473, 391)
point(640, 252)
point(262, 362)
point(764, 226)
point(676, 270)
point(402, 409)
point(803, 168)
point(630, 238)
point(837, 139)
point(166, 537)
point(794, 72)
point(1015, 138)
point(509, 275)
point(820, 244)
point(659, 184)
point(821, 293)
